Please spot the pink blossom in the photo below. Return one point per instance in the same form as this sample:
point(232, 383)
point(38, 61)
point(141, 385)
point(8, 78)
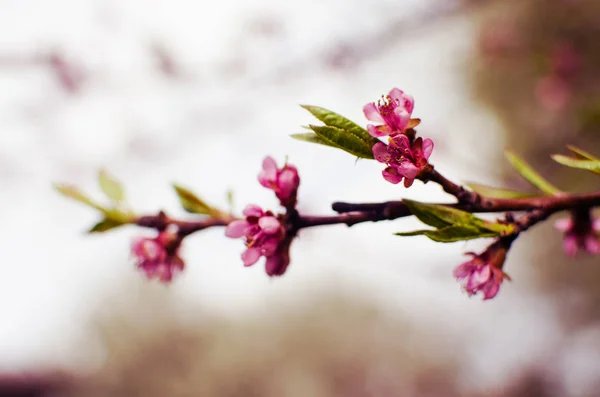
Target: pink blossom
point(479, 275)
point(158, 257)
point(393, 111)
point(263, 234)
point(283, 181)
point(483, 273)
point(580, 232)
point(405, 160)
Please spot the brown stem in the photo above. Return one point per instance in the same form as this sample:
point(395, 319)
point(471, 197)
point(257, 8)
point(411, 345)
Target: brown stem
point(161, 221)
point(350, 214)
point(463, 195)
point(397, 209)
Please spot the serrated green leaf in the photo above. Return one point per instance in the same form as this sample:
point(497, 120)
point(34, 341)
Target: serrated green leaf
point(582, 154)
point(344, 140)
point(588, 165)
point(530, 174)
point(312, 138)
point(333, 119)
point(73, 193)
point(440, 216)
point(494, 192)
point(451, 234)
point(191, 202)
point(105, 225)
point(111, 187)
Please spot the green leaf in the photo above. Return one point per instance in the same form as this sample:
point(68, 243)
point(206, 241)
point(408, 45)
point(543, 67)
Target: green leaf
point(493, 192)
point(105, 225)
point(440, 216)
point(111, 187)
point(579, 153)
point(313, 138)
point(588, 165)
point(230, 200)
point(451, 234)
point(501, 229)
point(73, 193)
point(333, 119)
point(191, 202)
point(530, 174)
point(344, 140)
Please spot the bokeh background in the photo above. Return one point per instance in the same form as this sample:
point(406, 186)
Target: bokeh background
point(198, 92)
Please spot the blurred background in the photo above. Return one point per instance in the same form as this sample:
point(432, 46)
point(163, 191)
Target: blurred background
point(198, 92)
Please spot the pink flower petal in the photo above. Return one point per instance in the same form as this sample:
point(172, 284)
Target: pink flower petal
point(401, 118)
point(490, 290)
point(570, 245)
point(479, 278)
point(269, 164)
point(253, 210)
point(288, 182)
point(564, 225)
point(150, 249)
point(408, 170)
point(372, 113)
point(464, 270)
point(277, 264)
point(409, 103)
point(148, 267)
point(378, 131)
point(427, 148)
point(380, 152)
point(269, 247)
point(251, 256)
point(396, 94)
point(405, 101)
point(596, 225)
point(391, 175)
point(401, 142)
point(164, 273)
point(592, 246)
point(268, 175)
point(236, 229)
point(269, 224)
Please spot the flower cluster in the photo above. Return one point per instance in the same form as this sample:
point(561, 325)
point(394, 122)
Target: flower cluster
point(404, 160)
point(158, 257)
point(406, 157)
point(483, 273)
point(580, 232)
point(263, 234)
point(266, 234)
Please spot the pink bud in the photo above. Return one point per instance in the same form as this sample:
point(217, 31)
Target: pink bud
point(283, 181)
